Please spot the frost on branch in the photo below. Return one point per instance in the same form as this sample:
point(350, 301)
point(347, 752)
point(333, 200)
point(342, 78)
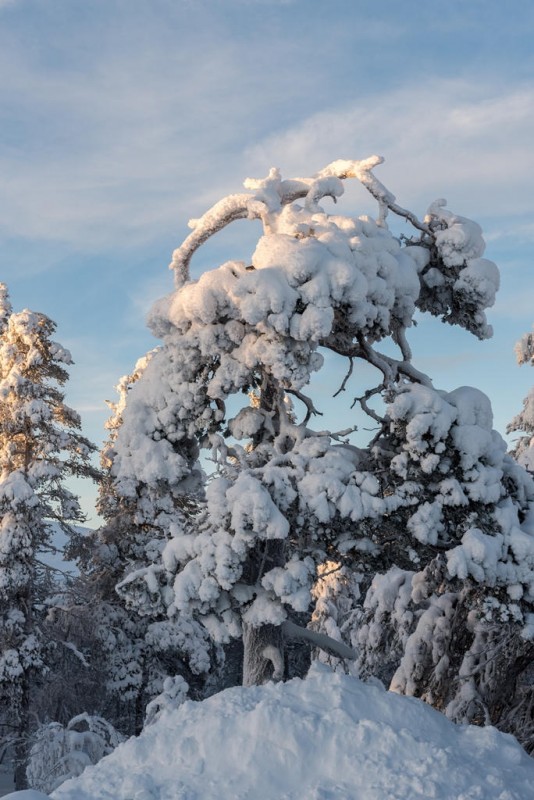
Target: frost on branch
point(284, 499)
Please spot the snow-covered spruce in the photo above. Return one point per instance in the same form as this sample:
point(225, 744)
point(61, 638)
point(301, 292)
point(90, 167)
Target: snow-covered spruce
point(136, 646)
point(284, 499)
point(40, 446)
point(450, 621)
point(463, 494)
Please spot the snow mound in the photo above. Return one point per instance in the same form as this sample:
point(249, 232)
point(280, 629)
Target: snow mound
point(328, 736)
point(26, 794)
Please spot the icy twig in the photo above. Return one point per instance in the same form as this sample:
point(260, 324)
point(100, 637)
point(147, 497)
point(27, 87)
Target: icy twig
point(308, 402)
point(364, 405)
point(346, 378)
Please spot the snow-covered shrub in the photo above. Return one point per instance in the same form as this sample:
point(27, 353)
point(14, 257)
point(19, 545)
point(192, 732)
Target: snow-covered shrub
point(59, 753)
point(173, 695)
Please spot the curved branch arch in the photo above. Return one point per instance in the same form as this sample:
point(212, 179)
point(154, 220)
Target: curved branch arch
point(272, 192)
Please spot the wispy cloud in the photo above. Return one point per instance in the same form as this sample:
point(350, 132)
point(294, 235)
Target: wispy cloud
point(126, 145)
point(147, 152)
point(121, 146)
point(518, 232)
point(469, 141)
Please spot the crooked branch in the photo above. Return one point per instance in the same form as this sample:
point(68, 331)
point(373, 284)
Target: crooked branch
point(308, 402)
point(257, 206)
point(346, 378)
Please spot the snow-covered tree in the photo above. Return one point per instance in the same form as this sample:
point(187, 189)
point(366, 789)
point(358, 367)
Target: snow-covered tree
point(452, 616)
point(118, 637)
point(285, 499)
point(523, 423)
point(40, 447)
point(136, 646)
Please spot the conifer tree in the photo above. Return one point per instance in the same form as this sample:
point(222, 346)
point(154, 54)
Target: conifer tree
point(285, 499)
point(40, 447)
point(139, 649)
point(449, 621)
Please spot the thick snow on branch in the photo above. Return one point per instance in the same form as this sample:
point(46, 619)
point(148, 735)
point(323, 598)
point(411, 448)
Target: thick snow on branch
point(271, 193)
point(293, 631)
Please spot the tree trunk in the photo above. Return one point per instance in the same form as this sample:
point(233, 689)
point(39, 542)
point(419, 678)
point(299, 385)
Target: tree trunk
point(263, 654)
point(23, 738)
point(140, 706)
point(263, 646)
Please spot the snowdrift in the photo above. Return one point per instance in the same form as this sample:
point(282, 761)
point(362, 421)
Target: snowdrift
point(329, 736)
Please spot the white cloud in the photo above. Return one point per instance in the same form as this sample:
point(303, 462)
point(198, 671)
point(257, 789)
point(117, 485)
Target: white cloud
point(144, 138)
point(469, 141)
point(522, 232)
point(127, 149)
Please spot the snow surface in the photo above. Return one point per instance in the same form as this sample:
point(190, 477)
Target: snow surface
point(27, 794)
point(328, 736)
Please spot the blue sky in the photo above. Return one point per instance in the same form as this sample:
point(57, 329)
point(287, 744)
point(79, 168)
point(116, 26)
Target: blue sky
point(121, 119)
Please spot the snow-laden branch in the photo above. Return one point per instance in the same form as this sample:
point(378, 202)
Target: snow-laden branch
point(362, 170)
point(321, 640)
point(230, 208)
point(390, 367)
point(79, 655)
point(272, 192)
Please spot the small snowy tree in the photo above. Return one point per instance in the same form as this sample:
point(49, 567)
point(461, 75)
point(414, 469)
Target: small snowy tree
point(138, 647)
point(118, 637)
point(61, 752)
point(523, 423)
point(40, 446)
point(285, 499)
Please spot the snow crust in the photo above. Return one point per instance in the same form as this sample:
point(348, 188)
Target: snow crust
point(328, 736)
